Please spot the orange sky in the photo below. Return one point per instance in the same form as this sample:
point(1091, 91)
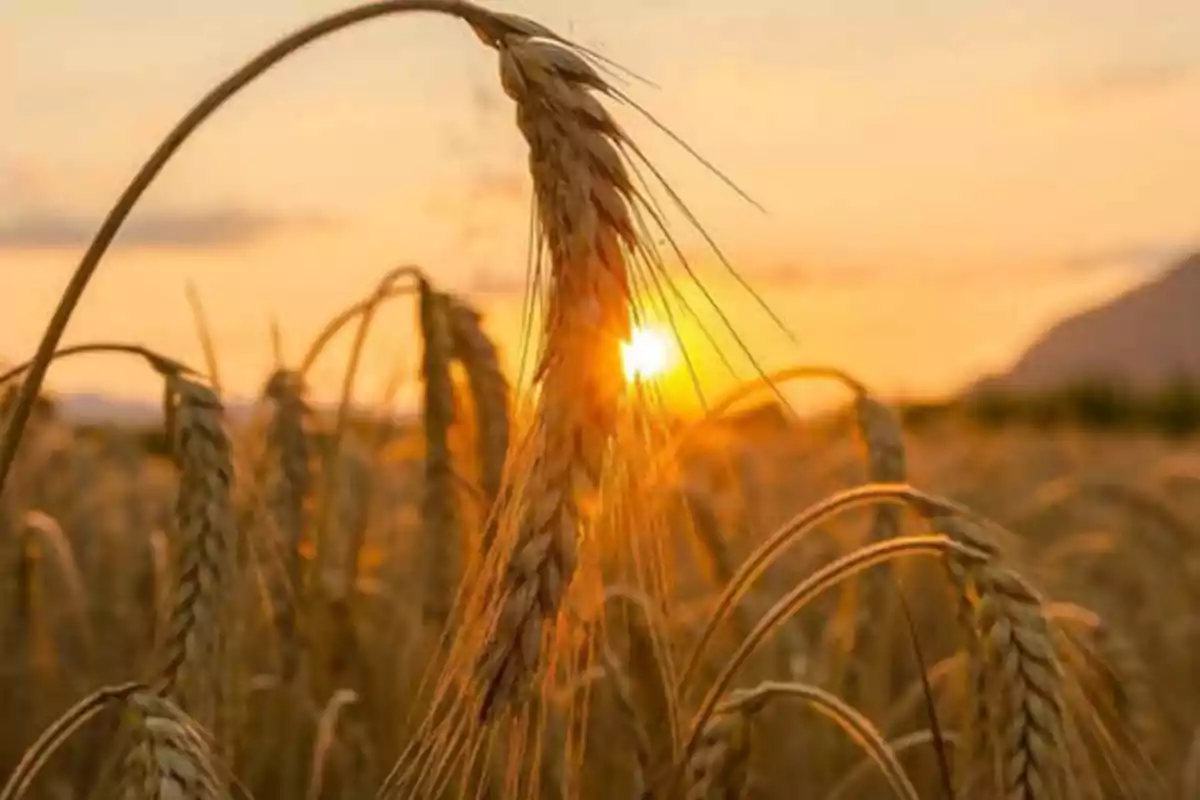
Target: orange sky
point(942, 178)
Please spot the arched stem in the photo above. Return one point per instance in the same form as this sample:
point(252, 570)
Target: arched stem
point(792, 530)
point(386, 290)
point(329, 495)
point(772, 380)
point(158, 362)
point(31, 763)
point(844, 568)
point(478, 18)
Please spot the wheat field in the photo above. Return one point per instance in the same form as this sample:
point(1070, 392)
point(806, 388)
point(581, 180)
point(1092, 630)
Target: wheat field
point(556, 587)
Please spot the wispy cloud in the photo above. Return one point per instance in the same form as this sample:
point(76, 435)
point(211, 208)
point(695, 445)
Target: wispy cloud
point(1149, 256)
point(792, 274)
point(198, 229)
point(1131, 81)
point(496, 282)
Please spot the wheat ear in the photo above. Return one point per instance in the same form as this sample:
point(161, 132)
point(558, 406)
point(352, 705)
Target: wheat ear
point(1122, 685)
point(170, 758)
point(720, 765)
point(206, 550)
point(440, 538)
point(887, 462)
point(1015, 665)
point(490, 393)
point(582, 192)
point(291, 483)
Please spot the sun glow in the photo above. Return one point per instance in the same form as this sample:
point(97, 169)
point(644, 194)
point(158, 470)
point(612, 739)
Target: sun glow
point(649, 354)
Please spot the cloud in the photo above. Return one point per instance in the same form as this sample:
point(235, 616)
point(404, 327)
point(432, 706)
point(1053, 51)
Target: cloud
point(1131, 81)
point(1144, 256)
point(495, 282)
point(19, 180)
point(188, 230)
point(790, 274)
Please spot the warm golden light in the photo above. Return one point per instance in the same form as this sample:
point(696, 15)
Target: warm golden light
point(649, 354)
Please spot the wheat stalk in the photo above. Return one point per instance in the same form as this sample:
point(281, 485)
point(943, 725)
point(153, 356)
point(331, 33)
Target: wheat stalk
point(724, 749)
point(59, 731)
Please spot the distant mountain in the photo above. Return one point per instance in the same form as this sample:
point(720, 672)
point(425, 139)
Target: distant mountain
point(1145, 337)
point(97, 408)
point(85, 408)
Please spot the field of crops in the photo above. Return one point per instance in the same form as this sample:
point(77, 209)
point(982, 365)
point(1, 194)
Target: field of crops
point(558, 587)
point(304, 606)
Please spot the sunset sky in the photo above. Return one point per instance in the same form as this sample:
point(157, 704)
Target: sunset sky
point(942, 179)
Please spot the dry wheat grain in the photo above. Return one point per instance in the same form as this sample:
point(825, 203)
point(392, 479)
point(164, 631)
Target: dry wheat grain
point(1018, 669)
point(490, 392)
point(206, 551)
point(582, 192)
point(288, 493)
point(171, 759)
point(440, 541)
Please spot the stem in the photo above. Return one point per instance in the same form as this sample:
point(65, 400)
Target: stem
point(218, 96)
point(204, 332)
point(367, 305)
point(860, 729)
point(35, 757)
point(772, 380)
point(788, 533)
point(844, 568)
point(158, 362)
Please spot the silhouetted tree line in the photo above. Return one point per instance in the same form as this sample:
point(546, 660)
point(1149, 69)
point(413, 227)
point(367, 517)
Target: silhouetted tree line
point(1172, 411)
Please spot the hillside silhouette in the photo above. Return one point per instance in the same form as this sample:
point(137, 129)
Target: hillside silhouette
point(1145, 339)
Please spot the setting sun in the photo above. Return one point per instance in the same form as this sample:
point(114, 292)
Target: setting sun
point(648, 354)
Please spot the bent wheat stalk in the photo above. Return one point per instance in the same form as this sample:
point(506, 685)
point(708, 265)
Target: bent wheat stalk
point(58, 732)
point(346, 580)
point(157, 361)
point(480, 19)
point(583, 195)
point(787, 535)
point(389, 287)
point(819, 582)
point(745, 703)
